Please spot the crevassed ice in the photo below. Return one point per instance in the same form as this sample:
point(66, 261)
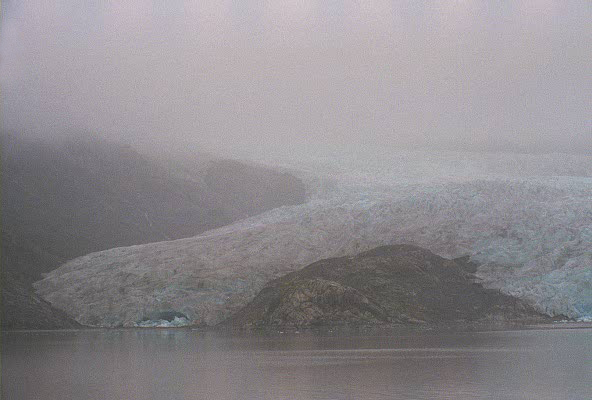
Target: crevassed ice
point(163, 323)
point(525, 219)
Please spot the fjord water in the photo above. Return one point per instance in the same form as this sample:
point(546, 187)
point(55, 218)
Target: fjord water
point(189, 364)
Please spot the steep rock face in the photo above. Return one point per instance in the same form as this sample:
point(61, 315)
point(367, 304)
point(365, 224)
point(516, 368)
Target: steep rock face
point(399, 284)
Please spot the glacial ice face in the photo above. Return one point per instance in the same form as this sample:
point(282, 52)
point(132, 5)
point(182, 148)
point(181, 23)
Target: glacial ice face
point(177, 322)
point(525, 219)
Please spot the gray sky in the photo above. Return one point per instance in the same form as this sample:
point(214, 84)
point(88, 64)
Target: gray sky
point(479, 75)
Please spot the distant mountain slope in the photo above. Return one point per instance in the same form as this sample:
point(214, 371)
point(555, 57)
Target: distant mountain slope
point(389, 284)
point(65, 199)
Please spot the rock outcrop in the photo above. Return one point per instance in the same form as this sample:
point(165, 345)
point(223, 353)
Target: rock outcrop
point(389, 284)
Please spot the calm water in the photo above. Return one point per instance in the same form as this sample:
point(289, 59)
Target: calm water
point(185, 364)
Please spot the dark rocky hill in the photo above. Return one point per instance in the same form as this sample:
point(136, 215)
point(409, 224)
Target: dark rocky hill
point(66, 199)
point(392, 284)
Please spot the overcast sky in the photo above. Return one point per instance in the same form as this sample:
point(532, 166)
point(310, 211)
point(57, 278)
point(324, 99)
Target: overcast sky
point(479, 75)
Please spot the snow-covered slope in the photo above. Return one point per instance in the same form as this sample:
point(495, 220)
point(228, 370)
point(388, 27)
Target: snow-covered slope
point(526, 219)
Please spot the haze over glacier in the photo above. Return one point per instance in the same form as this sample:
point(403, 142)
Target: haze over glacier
point(525, 219)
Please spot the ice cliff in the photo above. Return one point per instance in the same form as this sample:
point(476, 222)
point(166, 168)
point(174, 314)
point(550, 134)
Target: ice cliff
point(525, 219)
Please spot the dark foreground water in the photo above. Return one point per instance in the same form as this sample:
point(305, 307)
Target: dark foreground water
point(185, 364)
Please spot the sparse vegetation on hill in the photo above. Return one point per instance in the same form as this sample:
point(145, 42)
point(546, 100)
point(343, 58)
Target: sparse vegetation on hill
point(399, 284)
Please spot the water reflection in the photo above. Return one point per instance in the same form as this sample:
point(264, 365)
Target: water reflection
point(186, 364)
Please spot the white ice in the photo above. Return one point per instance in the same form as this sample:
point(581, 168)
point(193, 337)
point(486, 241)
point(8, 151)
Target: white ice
point(525, 219)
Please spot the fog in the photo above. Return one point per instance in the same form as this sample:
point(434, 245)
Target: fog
point(238, 76)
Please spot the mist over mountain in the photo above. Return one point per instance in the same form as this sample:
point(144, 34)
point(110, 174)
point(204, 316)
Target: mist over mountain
point(414, 177)
point(233, 76)
point(75, 197)
point(68, 198)
point(460, 127)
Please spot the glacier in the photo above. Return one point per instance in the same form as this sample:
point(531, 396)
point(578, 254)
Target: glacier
point(177, 322)
point(524, 219)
